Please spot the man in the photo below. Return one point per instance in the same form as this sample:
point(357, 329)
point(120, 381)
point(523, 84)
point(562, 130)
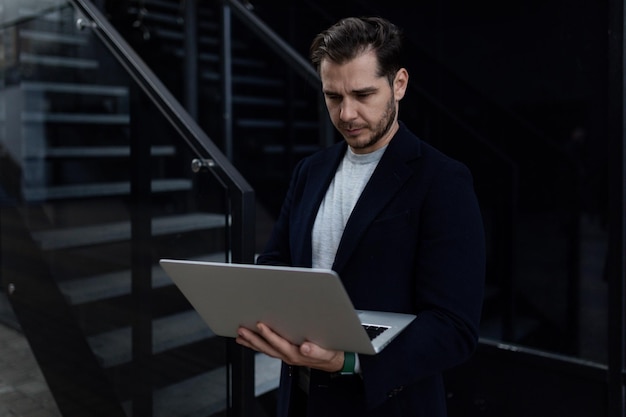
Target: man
point(400, 224)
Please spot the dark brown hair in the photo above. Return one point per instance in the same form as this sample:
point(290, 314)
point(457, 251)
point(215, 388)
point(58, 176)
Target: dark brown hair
point(352, 36)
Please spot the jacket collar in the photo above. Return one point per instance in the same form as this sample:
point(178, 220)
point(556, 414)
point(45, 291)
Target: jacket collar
point(390, 174)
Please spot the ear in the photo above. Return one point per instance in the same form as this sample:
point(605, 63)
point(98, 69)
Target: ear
point(400, 83)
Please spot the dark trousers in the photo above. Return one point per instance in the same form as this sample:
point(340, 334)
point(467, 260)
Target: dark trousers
point(342, 397)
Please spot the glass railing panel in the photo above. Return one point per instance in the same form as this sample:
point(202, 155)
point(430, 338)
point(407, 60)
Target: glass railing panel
point(274, 118)
point(97, 186)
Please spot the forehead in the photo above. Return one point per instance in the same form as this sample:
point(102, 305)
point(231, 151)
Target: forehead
point(360, 72)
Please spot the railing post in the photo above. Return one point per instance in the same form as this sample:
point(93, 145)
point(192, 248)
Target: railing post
point(227, 85)
point(141, 262)
point(616, 262)
point(241, 360)
point(190, 76)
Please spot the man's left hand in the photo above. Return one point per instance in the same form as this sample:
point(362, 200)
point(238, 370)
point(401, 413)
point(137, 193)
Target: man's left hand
point(308, 354)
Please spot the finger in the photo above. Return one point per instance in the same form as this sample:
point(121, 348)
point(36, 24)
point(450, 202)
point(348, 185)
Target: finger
point(243, 339)
point(267, 333)
point(244, 342)
point(256, 342)
point(288, 352)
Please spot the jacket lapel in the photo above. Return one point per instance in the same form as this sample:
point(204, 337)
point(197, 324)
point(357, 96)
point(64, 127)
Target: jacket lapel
point(390, 174)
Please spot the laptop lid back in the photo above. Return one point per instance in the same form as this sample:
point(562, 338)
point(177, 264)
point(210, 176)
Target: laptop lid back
point(298, 303)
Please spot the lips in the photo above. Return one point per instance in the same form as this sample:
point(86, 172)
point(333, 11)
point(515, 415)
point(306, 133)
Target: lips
point(352, 131)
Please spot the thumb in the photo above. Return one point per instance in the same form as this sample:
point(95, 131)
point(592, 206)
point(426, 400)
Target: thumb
point(306, 349)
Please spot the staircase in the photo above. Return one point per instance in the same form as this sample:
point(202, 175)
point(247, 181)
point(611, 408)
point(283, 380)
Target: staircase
point(69, 120)
point(275, 119)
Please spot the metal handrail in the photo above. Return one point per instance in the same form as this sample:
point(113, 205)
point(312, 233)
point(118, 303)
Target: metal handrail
point(290, 56)
point(242, 193)
point(158, 93)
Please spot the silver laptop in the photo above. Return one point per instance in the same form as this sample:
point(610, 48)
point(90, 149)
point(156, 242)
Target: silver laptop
point(298, 303)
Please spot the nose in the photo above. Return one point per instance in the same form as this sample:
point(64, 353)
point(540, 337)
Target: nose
point(347, 111)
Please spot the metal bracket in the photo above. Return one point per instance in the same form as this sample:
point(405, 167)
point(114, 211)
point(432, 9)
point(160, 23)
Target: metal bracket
point(83, 23)
point(198, 164)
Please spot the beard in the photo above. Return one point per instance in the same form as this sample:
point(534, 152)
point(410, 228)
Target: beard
point(381, 128)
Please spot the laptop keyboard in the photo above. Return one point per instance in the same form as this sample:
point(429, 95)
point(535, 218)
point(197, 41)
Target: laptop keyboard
point(373, 330)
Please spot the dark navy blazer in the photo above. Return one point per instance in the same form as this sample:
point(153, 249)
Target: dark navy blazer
point(414, 244)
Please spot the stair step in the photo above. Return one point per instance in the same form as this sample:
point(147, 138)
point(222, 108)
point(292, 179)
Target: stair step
point(114, 347)
point(35, 6)
point(99, 151)
point(259, 101)
point(69, 88)
point(244, 79)
point(53, 37)
point(179, 36)
point(155, 17)
point(170, 35)
point(205, 394)
point(51, 10)
point(104, 286)
point(257, 80)
point(266, 101)
point(100, 189)
point(57, 61)
point(214, 58)
point(152, 16)
point(172, 6)
point(279, 149)
point(82, 118)
point(204, 41)
point(274, 124)
point(115, 284)
point(120, 231)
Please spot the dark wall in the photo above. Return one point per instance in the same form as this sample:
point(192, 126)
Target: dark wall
point(528, 76)
point(517, 91)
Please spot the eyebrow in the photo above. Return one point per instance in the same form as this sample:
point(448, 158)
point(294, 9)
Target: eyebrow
point(357, 91)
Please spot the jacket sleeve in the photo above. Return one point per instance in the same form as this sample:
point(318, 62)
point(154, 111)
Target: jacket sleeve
point(448, 284)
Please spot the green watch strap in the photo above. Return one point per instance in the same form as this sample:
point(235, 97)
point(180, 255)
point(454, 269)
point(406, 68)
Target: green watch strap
point(349, 360)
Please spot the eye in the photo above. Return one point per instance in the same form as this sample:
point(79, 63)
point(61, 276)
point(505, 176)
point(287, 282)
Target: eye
point(364, 95)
